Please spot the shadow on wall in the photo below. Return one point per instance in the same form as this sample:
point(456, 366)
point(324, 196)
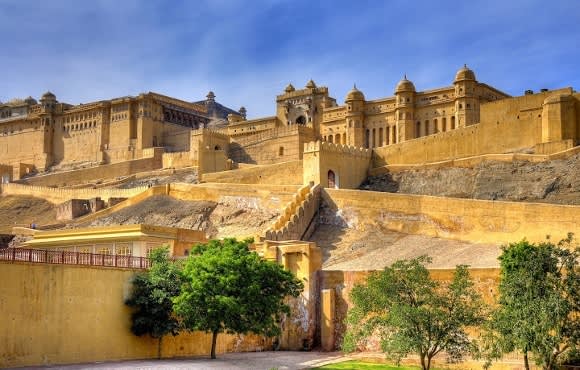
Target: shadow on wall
point(239, 155)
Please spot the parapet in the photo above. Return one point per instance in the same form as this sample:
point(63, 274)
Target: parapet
point(323, 146)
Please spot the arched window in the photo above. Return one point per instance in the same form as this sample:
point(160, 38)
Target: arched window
point(453, 123)
point(427, 130)
point(380, 136)
point(418, 129)
point(330, 137)
point(367, 138)
point(337, 138)
point(435, 128)
point(344, 138)
point(444, 124)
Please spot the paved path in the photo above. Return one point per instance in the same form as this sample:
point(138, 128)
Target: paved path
point(281, 360)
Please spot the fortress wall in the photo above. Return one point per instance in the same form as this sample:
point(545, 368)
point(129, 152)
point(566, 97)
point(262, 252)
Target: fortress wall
point(179, 160)
point(471, 162)
point(295, 220)
point(341, 284)
point(275, 174)
point(102, 172)
point(57, 314)
point(244, 195)
point(349, 164)
point(273, 146)
point(507, 125)
point(60, 195)
point(471, 220)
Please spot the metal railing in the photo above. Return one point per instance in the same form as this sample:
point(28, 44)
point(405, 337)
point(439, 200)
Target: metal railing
point(72, 258)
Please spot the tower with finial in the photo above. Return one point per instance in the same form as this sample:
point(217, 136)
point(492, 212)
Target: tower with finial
point(466, 101)
point(405, 110)
point(355, 102)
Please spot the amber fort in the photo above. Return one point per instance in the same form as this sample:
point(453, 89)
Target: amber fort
point(329, 187)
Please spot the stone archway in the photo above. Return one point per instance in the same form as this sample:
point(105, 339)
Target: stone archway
point(332, 179)
point(301, 120)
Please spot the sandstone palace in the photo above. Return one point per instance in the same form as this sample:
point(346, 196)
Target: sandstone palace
point(466, 118)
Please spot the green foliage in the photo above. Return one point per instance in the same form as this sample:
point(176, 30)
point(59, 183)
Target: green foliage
point(414, 314)
point(228, 288)
point(361, 365)
point(538, 304)
point(152, 298)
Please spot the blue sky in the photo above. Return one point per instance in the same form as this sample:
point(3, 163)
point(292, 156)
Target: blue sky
point(248, 51)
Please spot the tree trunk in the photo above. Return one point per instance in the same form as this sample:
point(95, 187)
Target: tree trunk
point(159, 347)
point(428, 363)
point(423, 364)
point(526, 362)
point(213, 342)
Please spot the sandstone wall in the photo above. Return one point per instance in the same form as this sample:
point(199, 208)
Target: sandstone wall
point(56, 314)
point(341, 283)
point(346, 165)
point(272, 146)
point(60, 195)
point(479, 221)
point(285, 173)
point(507, 125)
point(152, 160)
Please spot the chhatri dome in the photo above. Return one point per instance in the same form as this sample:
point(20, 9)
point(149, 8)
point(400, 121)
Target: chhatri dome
point(289, 88)
point(405, 86)
point(354, 94)
point(464, 73)
point(310, 84)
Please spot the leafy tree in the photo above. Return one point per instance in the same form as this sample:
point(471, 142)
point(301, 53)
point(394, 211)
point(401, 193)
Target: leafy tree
point(152, 296)
point(538, 305)
point(412, 313)
point(230, 289)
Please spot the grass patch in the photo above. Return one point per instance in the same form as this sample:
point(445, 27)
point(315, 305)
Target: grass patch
point(360, 365)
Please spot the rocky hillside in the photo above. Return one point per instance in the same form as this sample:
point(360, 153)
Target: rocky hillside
point(556, 181)
point(218, 220)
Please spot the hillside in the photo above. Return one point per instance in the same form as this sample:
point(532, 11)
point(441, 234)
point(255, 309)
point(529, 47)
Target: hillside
point(218, 220)
point(17, 210)
point(556, 181)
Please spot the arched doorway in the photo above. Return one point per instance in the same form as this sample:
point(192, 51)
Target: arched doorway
point(301, 120)
point(332, 180)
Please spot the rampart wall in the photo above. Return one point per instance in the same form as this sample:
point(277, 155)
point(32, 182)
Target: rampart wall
point(479, 221)
point(471, 162)
point(286, 173)
point(60, 195)
point(152, 160)
point(179, 160)
point(335, 299)
point(295, 221)
point(335, 165)
point(272, 146)
point(50, 316)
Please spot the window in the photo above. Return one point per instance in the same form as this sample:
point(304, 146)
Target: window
point(281, 151)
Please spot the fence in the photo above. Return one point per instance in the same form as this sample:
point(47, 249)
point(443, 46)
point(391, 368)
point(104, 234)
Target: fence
point(72, 258)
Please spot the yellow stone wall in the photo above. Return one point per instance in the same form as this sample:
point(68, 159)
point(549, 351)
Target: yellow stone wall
point(479, 221)
point(337, 285)
point(56, 314)
point(285, 173)
point(349, 165)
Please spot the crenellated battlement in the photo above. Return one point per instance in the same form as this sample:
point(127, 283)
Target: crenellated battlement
point(317, 146)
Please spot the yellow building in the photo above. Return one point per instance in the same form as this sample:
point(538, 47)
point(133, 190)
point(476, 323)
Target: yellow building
point(126, 240)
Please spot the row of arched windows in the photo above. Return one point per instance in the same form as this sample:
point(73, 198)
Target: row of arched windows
point(433, 127)
point(80, 126)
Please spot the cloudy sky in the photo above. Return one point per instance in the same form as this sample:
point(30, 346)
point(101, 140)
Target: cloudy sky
point(247, 51)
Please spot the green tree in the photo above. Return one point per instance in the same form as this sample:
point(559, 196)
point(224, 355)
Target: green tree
point(539, 303)
point(412, 313)
point(152, 296)
point(230, 289)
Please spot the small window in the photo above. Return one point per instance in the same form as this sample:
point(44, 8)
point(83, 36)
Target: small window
point(281, 151)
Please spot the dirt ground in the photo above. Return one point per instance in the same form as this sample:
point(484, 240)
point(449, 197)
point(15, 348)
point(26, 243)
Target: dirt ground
point(372, 248)
point(17, 210)
point(218, 220)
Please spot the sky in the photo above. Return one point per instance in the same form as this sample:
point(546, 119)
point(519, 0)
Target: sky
point(248, 51)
